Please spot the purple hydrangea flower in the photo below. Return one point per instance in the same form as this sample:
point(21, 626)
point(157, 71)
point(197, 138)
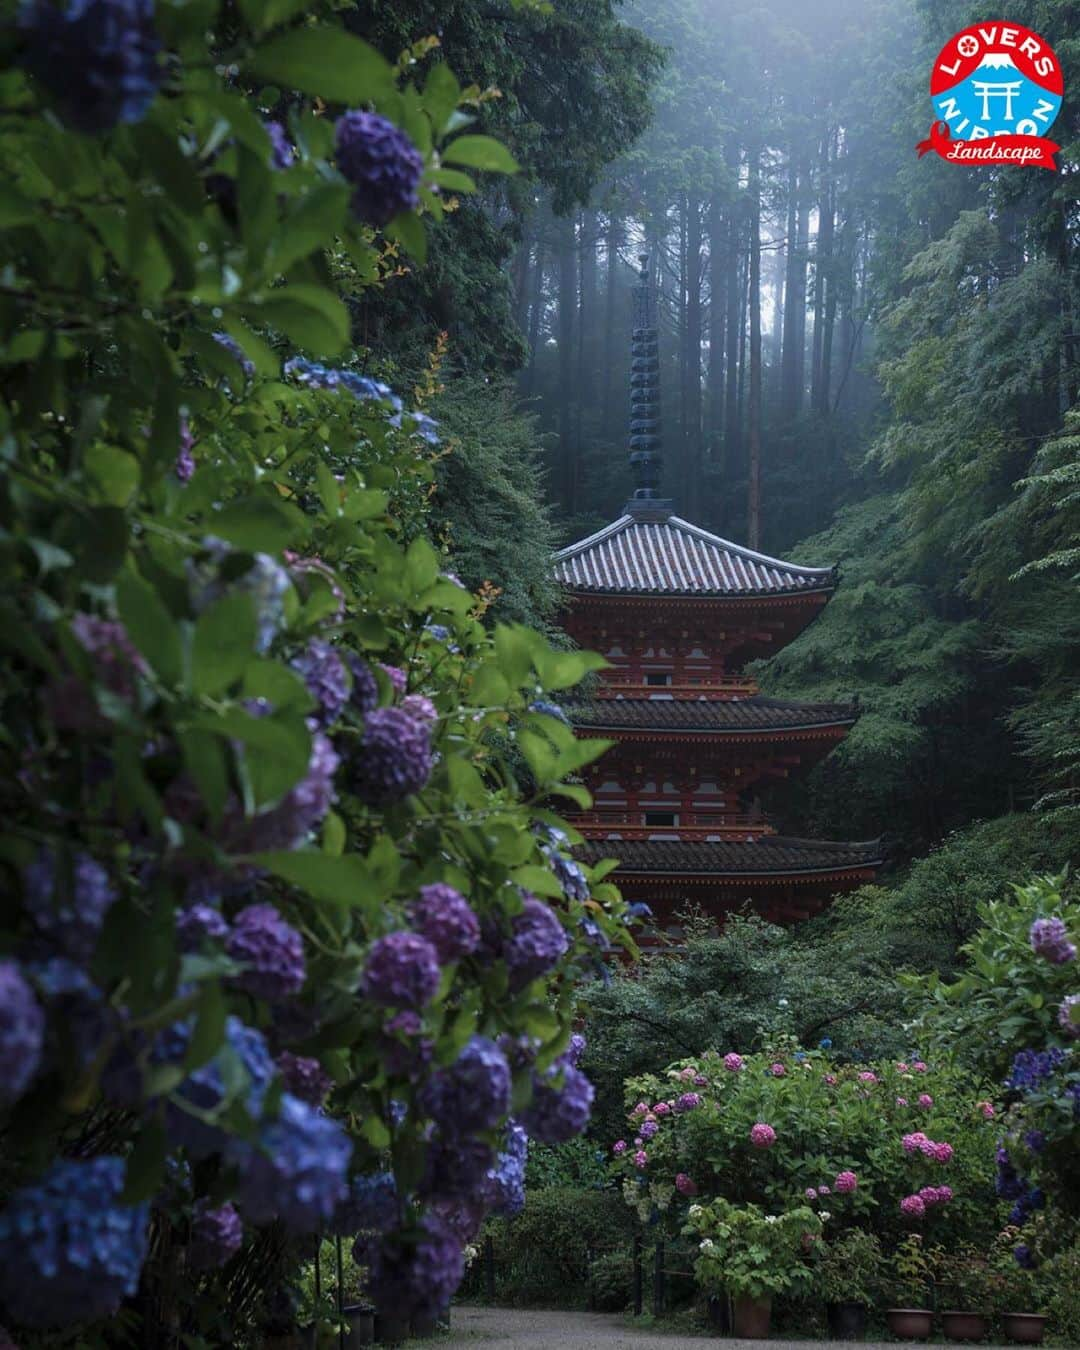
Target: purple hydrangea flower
point(297, 1170)
point(1023, 1256)
point(575, 1049)
point(371, 1204)
point(70, 1251)
point(405, 1052)
point(1008, 1183)
point(115, 663)
point(458, 1168)
point(198, 924)
point(22, 1033)
point(1050, 939)
point(305, 1077)
point(1030, 1068)
point(1069, 1016)
point(420, 707)
point(402, 971)
point(688, 1101)
point(473, 1093)
point(324, 673)
point(648, 1128)
point(365, 689)
point(247, 365)
point(97, 58)
point(281, 152)
point(508, 1175)
point(416, 1271)
point(394, 760)
point(381, 163)
point(549, 709)
point(185, 459)
point(204, 1088)
point(286, 825)
point(447, 920)
point(216, 1236)
point(68, 907)
point(537, 942)
point(560, 1106)
point(272, 951)
point(399, 681)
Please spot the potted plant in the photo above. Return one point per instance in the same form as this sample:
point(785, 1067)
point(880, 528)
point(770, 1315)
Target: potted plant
point(849, 1272)
point(751, 1255)
point(909, 1289)
point(965, 1283)
point(1016, 1289)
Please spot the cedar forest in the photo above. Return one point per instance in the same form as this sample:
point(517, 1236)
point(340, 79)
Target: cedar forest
point(293, 944)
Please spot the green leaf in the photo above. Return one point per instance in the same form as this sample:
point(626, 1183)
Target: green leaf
point(224, 643)
point(150, 626)
point(344, 879)
point(408, 229)
point(441, 95)
point(311, 316)
point(262, 15)
point(333, 835)
point(451, 179)
point(375, 1132)
point(278, 748)
point(280, 686)
point(204, 759)
point(327, 62)
point(103, 541)
point(480, 152)
point(209, 1031)
point(421, 565)
point(260, 523)
point(313, 223)
point(539, 879)
point(145, 1164)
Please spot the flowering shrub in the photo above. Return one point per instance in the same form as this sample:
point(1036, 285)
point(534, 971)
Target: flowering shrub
point(744, 1251)
point(281, 895)
point(852, 1141)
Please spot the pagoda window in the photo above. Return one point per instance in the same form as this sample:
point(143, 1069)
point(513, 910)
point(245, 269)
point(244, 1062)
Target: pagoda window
point(658, 680)
point(661, 818)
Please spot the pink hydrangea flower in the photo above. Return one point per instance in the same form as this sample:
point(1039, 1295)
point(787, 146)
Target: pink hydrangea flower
point(638, 1141)
point(846, 1182)
point(929, 1195)
point(830, 1078)
point(684, 1185)
point(901, 1101)
point(925, 1100)
point(811, 1193)
point(913, 1206)
point(733, 1062)
point(943, 1153)
point(928, 1148)
point(662, 1109)
point(762, 1135)
point(700, 1080)
point(918, 1066)
point(867, 1076)
point(987, 1109)
point(944, 1194)
point(824, 1190)
point(641, 1158)
point(914, 1141)
point(777, 1070)
point(619, 1146)
point(901, 1066)
point(686, 1074)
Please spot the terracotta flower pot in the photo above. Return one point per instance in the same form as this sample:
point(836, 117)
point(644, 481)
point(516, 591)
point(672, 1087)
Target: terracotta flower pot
point(1027, 1328)
point(391, 1327)
point(847, 1321)
point(361, 1320)
point(910, 1324)
point(753, 1317)
point(964, 1326)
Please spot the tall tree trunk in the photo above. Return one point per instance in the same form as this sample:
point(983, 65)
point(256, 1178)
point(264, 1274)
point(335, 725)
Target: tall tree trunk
point(587, 240)
point(536, 314)
point(719, 226)
point(733, 344)
point(692, 344)
point(803, 246)
point(521, 278)
point(613, 350)
point(787, 359)
point(753, 435)
point(819, 385)
point(567, 264)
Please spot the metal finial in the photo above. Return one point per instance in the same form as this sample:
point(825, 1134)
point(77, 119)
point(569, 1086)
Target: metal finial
point(645, 444)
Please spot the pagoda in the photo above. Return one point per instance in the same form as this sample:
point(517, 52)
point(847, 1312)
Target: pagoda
point(678, 612)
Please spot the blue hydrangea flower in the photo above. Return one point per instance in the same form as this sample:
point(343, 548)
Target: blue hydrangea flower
point(97, 58)
point(297, 1170)
point(549, 709)
point(365, 688)
point(266, 581)
point(281, 152)
point(537, 942)
point(508, 1174)
point(365, 388)
point(1030, 1068)
point(247, 365)
point(382, 164)
point(447, 920)
point(371, 1204)
point(205, 1088)
point(401, 971)
point(323, 671)
point(416, 1271)
point(305, 1077)
point(22, 1033)
point(199, 924)
point(68, 907)
point(70, 1252)
point(270, 951)
point(561, 1105)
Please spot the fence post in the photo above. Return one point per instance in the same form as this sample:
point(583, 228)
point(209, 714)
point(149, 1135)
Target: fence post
point(658, 1280)
point(637, 1275)
point(318, 1292)
point(340, 1299)
point(588, 1266)
point(489, 1268)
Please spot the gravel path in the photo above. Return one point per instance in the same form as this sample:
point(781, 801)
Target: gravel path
point(476, 1328)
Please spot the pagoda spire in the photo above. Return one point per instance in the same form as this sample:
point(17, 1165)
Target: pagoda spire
point(646, 447)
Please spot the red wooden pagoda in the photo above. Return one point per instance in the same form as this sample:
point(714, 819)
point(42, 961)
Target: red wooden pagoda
point(678, 611)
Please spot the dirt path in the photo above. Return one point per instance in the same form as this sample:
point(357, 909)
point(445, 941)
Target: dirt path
point(514, 1329)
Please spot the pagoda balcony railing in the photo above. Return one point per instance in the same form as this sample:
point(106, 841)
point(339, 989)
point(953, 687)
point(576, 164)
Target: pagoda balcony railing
point(619, 684)
point(692, 825)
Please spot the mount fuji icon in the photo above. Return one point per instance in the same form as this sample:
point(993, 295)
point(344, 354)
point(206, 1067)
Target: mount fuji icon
point(996, 99)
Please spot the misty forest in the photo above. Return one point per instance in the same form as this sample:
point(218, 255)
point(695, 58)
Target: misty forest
point(540, 738)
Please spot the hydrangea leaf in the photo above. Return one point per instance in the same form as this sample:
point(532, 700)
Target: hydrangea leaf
point(480, 152)
point(327, 62)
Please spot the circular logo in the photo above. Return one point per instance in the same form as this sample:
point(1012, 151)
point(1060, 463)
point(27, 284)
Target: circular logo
point(996, 79)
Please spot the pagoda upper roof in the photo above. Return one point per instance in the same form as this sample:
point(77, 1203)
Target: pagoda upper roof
point(661, 554)
point(771, 855)
point(709, 715)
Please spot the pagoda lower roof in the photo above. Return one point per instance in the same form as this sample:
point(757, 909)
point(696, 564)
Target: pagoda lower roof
point(665, 555)
point(706, 715)
point(771, 855)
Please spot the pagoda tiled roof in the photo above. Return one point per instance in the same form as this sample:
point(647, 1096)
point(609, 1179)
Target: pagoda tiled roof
point(770, 855)
point(708, 715)
point(665, 555)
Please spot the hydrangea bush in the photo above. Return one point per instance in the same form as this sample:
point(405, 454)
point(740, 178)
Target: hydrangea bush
point(280, 897)
point(885, 1145)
